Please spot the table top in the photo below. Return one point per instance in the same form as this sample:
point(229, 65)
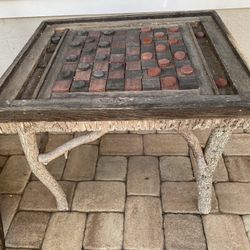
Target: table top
point(167, 65)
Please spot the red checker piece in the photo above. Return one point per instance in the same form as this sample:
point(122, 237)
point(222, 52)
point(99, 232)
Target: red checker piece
point(146, 56)
point(187, 70)
point(147, 40)
point(159, 34)
point(199, 34)
point(221, 82)
point(179, 55)
point(164, 62)
point(156, 71)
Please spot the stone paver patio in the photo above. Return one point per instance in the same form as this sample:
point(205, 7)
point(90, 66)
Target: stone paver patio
point(126, 191)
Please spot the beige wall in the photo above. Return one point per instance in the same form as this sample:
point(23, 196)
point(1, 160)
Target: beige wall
point(29, 8)
point(238, 24)
point(16, 32)
point(14, 35)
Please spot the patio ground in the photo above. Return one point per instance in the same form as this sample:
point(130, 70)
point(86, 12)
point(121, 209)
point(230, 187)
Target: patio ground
point(126, 191)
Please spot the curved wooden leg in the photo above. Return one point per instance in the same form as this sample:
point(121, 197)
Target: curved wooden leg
point(206, 162)
point(30, 148)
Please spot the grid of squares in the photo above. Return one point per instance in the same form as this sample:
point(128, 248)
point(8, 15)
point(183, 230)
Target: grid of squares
point(126, 60)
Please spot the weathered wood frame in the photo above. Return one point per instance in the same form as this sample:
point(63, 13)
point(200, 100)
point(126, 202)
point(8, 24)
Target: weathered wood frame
point(121, 111)
point(141, 105)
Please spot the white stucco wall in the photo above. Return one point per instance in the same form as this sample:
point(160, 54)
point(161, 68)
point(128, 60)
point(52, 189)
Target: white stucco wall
point(16, 31)
point(25, 8)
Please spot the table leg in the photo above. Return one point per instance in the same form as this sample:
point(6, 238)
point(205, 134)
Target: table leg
point(2, 242)
point(206, 162)
point(30, 148)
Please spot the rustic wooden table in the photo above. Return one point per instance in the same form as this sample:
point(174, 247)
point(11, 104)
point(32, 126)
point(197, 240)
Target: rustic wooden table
point(46, 89)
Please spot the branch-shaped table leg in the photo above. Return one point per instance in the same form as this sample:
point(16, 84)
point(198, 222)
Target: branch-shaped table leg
point(30, 148)
point(63, 149)
point(206, 162)
point(215, 145)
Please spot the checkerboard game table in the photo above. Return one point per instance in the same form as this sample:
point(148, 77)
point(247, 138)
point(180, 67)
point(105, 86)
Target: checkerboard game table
point(164, 71)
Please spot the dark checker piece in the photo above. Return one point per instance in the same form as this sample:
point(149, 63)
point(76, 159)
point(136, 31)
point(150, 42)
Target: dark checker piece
point(55, 39)
point(108, 32)
point(83, 66)
point(104, 44)
point(116, 66)
point(66, 74)
point(88, 51)
point(98, 74)
point(82, 33)
point(75, 43)
point(71, 58)
point(101, 57)
point(79, 86)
